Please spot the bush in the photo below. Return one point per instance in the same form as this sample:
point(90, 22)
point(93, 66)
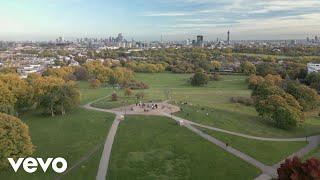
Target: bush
point(200, 78)
point(15, 141)
point(215, 77)
point(95, 83)
point(128, 92)
point(81, 73)
point(140, 95)
point(133, 84)
point(242, 100)
point(114, 97)
point(295, 169)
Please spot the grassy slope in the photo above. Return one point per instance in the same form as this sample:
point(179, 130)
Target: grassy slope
point(156, 148)
point(267, 152)
point(88, 94)
point(71, 136)
point(215, 99)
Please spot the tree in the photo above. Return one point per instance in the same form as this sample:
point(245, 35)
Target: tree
point(278, 110)
point(248, 68)
point(21, 90)
point(120, 76)
point(313, 80)
point(128, 92)
point(307, 97)
point(15, 141)
point(200, 78)
point(295, 169)
point(274, 80)
point(95, 83)
point(264, 69)
point(254, 81)
point(216, 65)
point(81, 73)
point(7, 99)
point(60, 98)
point(275, 105)
point(96, 70)
point(64, 73)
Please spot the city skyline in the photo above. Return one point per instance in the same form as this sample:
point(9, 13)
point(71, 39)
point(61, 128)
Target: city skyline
point(148, 20)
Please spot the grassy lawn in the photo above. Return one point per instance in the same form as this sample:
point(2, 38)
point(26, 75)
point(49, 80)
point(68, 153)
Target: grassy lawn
point(89, 94)
point(71, 136)
point(107, 103)
point(240, 118)
point(156, 148)
point(215, 100)
point(266, 152)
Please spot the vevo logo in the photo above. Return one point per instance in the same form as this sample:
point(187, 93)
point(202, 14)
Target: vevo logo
point(30, 165)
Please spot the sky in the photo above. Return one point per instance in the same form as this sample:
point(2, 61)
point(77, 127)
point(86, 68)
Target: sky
point(149, 19)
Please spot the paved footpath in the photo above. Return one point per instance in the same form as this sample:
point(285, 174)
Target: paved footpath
point(104, 161)
point(234, 133)
point(269, 172)
point(265, 169)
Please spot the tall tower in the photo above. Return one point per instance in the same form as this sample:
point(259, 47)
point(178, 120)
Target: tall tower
point(228, 37)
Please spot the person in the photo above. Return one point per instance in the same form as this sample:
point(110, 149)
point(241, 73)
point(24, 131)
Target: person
point(227, 144)
point(156, 106)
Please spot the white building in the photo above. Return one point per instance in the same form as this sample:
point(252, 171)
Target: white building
point(312, 67)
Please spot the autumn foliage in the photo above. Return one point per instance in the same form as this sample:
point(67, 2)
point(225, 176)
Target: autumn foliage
point(294, 169)
point(15, 141)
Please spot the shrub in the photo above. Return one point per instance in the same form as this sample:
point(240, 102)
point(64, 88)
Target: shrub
point(15, 141)
point(128, 92)
point(114, 97)
point(133, 84)
point(81, 73)
point(295, 169)
point(242, 100)
point(140, 95)
point(95, 83)
point(215, 77)
point(200, 78)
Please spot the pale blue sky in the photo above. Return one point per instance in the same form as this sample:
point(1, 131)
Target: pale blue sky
point(149, 19)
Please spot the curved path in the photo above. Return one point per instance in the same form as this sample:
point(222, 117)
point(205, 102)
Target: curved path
point(269, 172)
point(234, 133)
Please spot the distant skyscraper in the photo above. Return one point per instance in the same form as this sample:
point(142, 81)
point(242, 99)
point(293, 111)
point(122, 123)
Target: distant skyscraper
point(120, 37)
point(316, 38)
point(228, 41)
point(199, 40)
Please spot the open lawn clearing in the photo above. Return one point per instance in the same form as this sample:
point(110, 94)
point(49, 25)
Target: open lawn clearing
point(151, 147)
point(267, 152)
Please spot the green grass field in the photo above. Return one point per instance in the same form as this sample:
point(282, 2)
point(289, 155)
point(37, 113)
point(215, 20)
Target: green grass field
point(215, 100)
point(89, 94)
point(156, 148)
point(71, 136)
point(267, 152)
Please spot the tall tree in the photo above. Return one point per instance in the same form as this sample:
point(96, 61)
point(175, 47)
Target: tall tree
point(15, 141)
